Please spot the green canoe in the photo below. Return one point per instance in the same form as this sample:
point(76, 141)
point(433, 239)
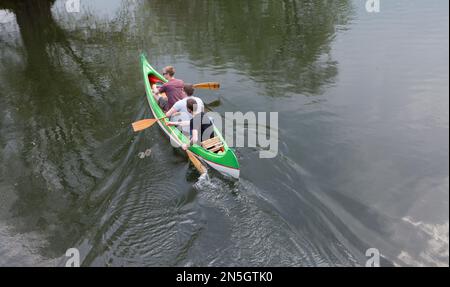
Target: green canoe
point(224, 161)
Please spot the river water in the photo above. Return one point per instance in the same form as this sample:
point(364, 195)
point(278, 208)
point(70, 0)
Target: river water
point(363, 157)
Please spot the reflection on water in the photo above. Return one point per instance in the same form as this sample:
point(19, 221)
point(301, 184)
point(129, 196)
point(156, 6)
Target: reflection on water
point(362, 164)
point(286, 43)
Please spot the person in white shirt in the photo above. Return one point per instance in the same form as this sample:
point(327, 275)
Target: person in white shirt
point(180, 106)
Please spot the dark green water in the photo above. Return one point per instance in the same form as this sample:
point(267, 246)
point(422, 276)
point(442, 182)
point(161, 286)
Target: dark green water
point(363, 133)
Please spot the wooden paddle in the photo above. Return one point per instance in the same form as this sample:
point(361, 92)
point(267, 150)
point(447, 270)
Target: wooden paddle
point(144, 124)
point(209, 85)
point(198, 165)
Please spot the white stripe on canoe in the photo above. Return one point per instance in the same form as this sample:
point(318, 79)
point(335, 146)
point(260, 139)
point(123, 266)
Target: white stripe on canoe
point(233, 172)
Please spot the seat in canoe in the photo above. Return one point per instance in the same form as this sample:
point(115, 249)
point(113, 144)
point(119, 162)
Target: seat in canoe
point(213, 145)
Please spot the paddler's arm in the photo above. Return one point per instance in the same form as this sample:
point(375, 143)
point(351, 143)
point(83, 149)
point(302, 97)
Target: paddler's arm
point(194, 137)
point(180, 124)
point(193, 140)
point(158, 91)
point(171, 112)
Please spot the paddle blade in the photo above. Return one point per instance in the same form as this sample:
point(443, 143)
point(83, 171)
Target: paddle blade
point(210, 86)
point(198, 165)
point(143, 124)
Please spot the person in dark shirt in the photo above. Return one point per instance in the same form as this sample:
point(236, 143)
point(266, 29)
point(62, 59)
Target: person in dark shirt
point(174, 90)
point(201, 126)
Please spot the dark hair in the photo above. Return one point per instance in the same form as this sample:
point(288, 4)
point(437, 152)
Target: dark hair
point(189, 89)
point(169, 70)
point(190, 104)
